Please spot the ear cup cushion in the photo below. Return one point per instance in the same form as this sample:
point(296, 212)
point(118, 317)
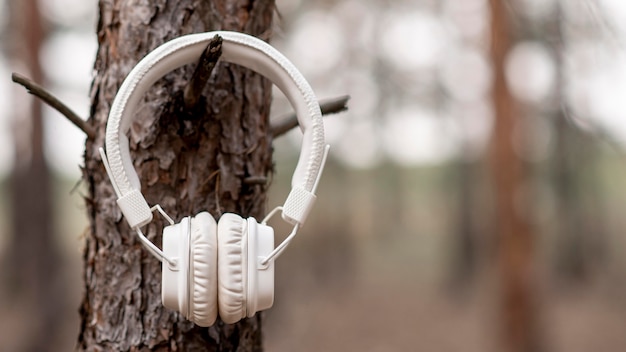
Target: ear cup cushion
point(231, 268)
point(203, 264)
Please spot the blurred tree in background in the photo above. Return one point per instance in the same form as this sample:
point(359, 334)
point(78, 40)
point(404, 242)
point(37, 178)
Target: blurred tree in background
point(33, 260)
point(510, 175)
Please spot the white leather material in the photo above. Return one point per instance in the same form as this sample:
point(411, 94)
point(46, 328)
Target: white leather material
point(298, 205)
point(232, 254)
point(260, 290)
point(237, 48)
point(203, 267)
point(135, 209)
point(174, 281)
point(169, 276)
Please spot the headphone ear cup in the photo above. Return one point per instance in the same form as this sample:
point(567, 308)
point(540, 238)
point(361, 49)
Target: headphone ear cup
point(232, 267)
point(203, 268)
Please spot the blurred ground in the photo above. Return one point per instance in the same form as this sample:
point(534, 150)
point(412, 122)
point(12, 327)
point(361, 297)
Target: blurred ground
point(382, 312)
point(396, 317)
point(372, 317)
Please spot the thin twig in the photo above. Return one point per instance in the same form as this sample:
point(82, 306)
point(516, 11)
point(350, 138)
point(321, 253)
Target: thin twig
point(255, 180)
point(201, 75)
point(40, 92)
point(329, 106)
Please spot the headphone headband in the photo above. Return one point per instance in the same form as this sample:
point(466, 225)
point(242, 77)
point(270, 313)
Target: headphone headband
point(237, 48)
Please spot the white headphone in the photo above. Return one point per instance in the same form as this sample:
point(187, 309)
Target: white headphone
point(226, 267)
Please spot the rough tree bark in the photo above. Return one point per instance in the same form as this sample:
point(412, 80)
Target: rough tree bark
point(188, 161)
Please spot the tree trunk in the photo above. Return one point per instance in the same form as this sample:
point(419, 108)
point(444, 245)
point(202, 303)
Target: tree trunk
point(33, 257)
point(510, 177)
point(188, 161)
point(466, 237)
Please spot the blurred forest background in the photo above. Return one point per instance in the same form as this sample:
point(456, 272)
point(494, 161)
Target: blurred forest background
point(473, 200)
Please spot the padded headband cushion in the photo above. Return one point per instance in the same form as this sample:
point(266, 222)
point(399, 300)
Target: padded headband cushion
point(232, 267)
point(237, 48)
point(203, 266)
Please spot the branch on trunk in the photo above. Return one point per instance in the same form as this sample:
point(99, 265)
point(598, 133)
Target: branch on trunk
point(255, 180)
point(40, 92)
point(329, 106)
point(201, 75)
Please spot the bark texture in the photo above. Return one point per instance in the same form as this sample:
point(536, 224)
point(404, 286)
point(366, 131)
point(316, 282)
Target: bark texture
point(188, 161)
